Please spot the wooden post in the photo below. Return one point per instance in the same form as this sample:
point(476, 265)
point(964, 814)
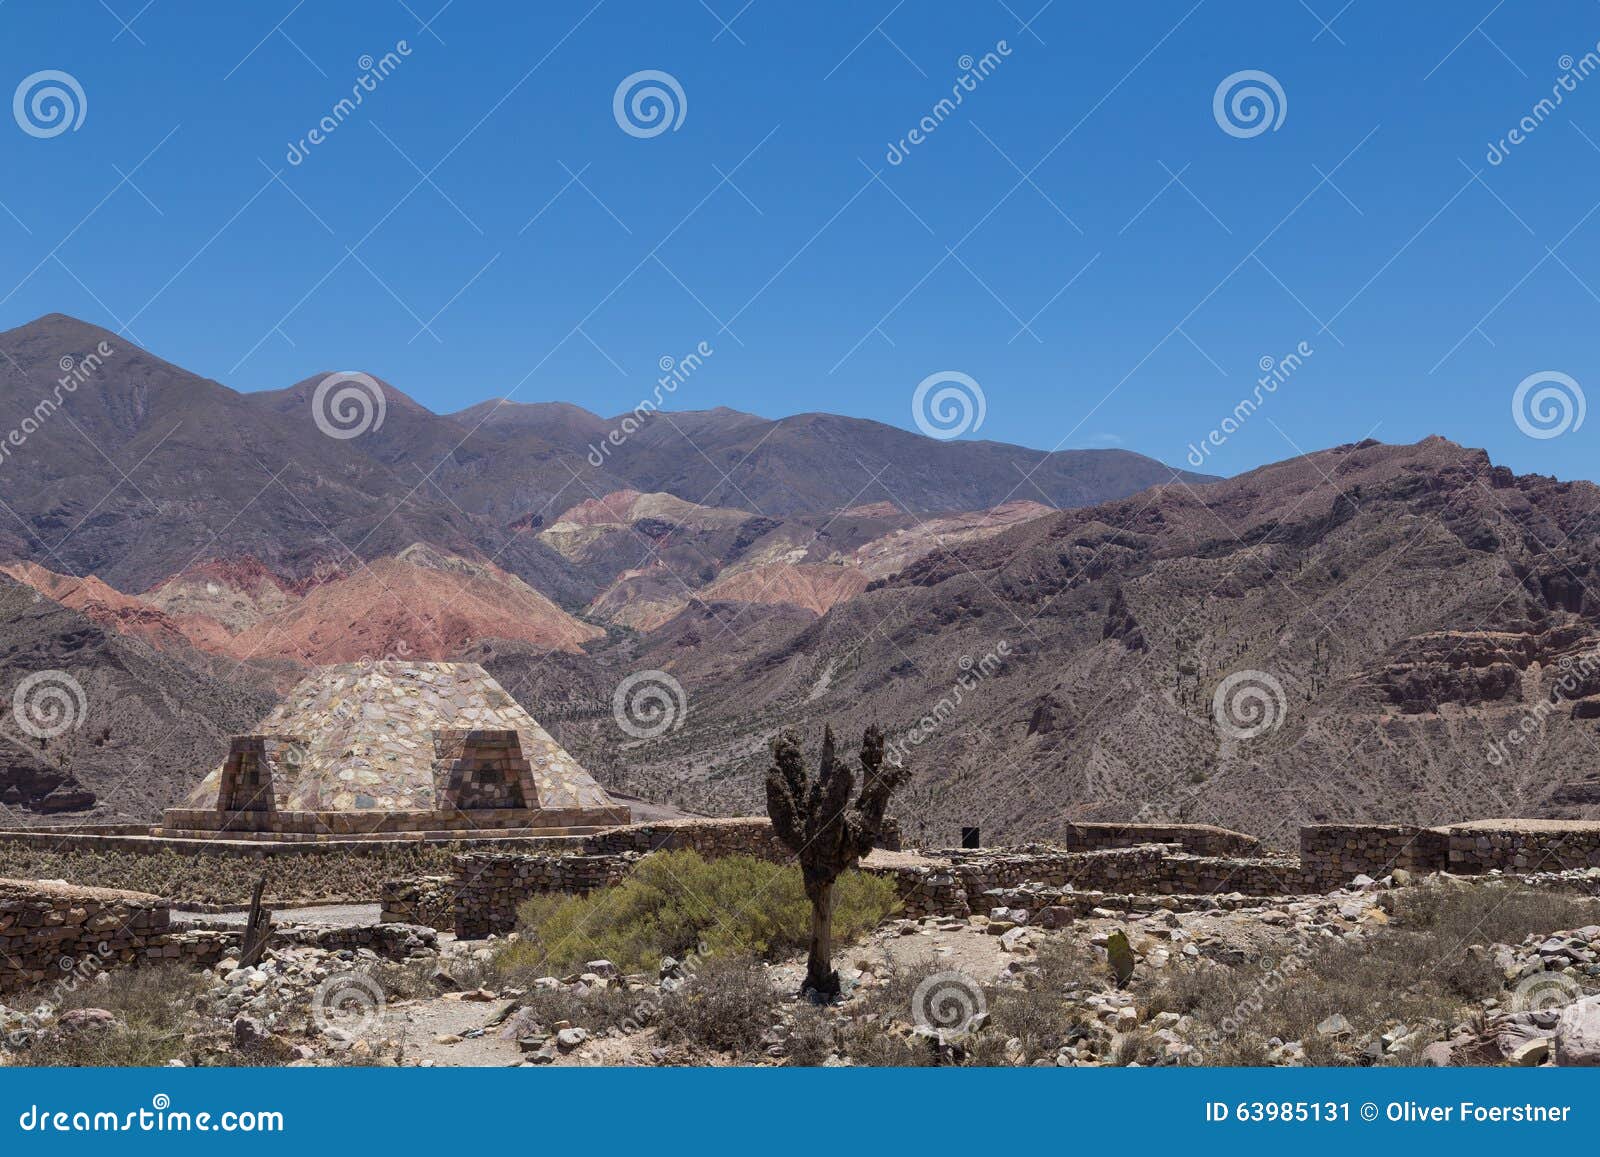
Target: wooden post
point(258, 929)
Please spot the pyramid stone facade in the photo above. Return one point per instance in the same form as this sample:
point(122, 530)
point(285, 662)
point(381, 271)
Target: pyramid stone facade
point(386, 748)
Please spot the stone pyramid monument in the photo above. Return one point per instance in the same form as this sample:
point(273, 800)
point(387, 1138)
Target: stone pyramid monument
point(380, 749)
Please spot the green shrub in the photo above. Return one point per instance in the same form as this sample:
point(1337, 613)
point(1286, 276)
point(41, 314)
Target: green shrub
point(675, 903)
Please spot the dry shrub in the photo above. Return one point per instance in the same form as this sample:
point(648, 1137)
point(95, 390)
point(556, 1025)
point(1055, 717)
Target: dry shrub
point(814, 1037)
point(1498, 913)
point(310, 877)
point(596, 1010)
point(1421, 969)
point(150, 1004)
point(727, 1006)
point(413, 979)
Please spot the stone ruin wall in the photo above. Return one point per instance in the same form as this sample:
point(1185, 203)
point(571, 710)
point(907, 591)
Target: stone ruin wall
point(493, 875)
point(1112, 860)
point(425, 900)
point(488, 886)
point(1531, 846)
point(1197, 839)
point(54, 933)
point(49, 932)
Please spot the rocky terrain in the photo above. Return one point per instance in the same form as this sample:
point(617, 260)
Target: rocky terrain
point(1385, 972)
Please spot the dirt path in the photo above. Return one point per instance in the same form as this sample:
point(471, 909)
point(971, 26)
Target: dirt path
point(341, 915)
point(437, 1031)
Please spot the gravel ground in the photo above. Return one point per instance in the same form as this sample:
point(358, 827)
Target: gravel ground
point(342, 915)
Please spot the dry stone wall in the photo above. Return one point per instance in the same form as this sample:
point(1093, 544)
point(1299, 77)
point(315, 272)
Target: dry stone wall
point(712, 838)
point(1336, 853)
point(488, 886)
point(425, 900)
point(1523, 846)
point(1197, 839)
point(50, 931)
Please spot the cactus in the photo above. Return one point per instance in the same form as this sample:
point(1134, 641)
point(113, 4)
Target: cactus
point(815, 818)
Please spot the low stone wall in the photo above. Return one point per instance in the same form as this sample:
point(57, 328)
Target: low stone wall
point(1337, 853)
point(958, 889)
point(53, 932)
point(334, 825)
point(712, 838)
point(1221, 875)
point(425, 900)
point(489, 886)
point(1197, 839)
point(1523, 845)
point(243, 845)
point(390, 940)
point(50, 932)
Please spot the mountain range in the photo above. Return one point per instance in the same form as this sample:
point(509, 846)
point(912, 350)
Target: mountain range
point(1352, 634)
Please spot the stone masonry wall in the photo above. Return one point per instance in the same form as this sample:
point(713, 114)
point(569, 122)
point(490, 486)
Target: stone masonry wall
point(1197, 839)
point(49, 932)
point(713, 839)
point(425, 900)
point(1523, 846)
point(489, 886)
point(53, 932)
point(1336, 853)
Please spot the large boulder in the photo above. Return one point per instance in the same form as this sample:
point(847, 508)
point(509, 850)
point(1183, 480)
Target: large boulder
point(1578, 1033)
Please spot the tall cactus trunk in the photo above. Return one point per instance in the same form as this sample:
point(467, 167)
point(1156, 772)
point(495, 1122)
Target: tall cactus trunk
point(820, 974)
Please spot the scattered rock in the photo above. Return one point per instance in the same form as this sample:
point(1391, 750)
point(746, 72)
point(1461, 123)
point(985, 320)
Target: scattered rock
point(1577, 1035)
point(570, 1038)
point(1533, 1052)
point(86, 1020)
point(1336, 1026)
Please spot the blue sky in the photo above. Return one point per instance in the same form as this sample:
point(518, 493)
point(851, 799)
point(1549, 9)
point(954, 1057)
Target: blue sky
point(1080, 236)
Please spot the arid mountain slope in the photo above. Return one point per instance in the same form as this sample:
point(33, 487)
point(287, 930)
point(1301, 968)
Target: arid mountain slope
point(813, 463)
point(133, 469)
point(1401, 609)
point(137, 726)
